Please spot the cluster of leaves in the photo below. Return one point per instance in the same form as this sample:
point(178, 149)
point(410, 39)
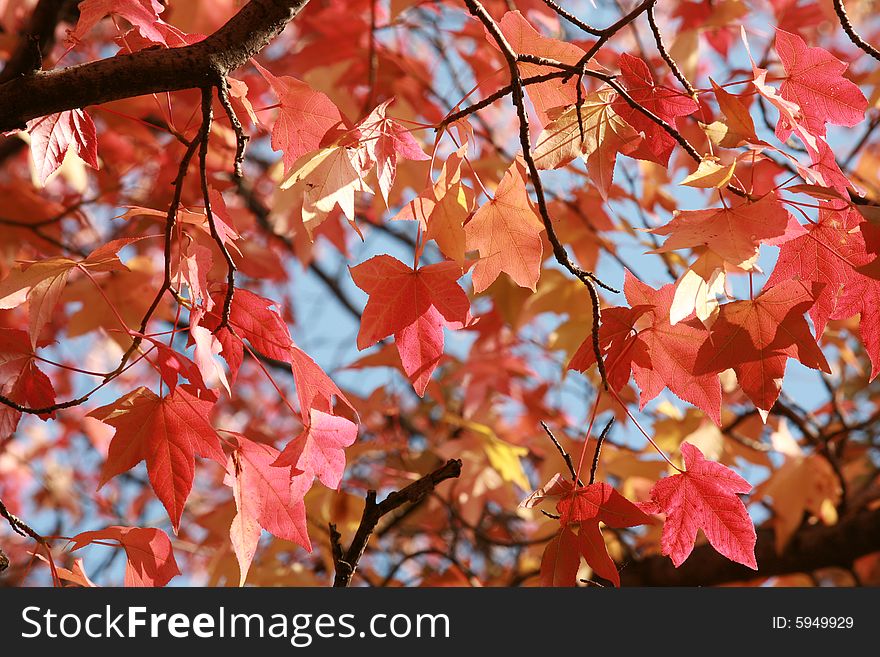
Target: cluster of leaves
point(146, 302)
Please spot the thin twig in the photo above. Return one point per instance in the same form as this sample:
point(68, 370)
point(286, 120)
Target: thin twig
point(241, 139)
point(207, 119)
point(565, 455)
point(847, 26)
point(373, 512)
point(601, 439)
point(661, 48)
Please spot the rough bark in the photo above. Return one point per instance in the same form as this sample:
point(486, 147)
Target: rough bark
point(147, 71)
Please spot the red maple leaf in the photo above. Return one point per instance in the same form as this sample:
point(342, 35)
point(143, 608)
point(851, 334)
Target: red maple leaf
point(53, 135)
point(704, 496)
point(21, 380)
point(319, 451)
point(304, 118)
point(583, 508)
point(167, 432)
point(384, 140)
point(150, 556)
point(641, 340)
point(756, 338)
point(663, 102)
point(822, 255)
point(267, 497)
point(815, 82)
point(414, 305)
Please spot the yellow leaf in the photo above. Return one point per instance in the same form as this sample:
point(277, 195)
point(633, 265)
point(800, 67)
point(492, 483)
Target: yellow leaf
point(710, 174)
point(324, 179)
point(592, 131)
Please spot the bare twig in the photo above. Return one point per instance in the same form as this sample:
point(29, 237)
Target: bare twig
point(565, 455)
point(373, 512)
point(847, 26)
point(207, 118)
point(601, 439)
point(661, 48)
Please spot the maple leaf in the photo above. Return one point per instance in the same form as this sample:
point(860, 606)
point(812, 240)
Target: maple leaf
point(41, 283)
point(583, 507)
point(254, 319)
point(663, 102)
point(167, 432)
point(814, 82)
point(304, 117)
point(733, 233)
point(319, 451)
point(314, 388)
point(506, 231)
point(150, 557)
point(561, 560)
point(20, 379)
point(756, 337)
point(324, 179)
point(589, 505)
point(442, 208)
point(821, 255)
point(659, 355)
point(266, 497)
point(704, 496)
point(525, 39)
point(740, 126)
point(414, 305)
point(592, 131)
point(862, 296)
point(143, 14)
point(53, 135)
point(384, 140)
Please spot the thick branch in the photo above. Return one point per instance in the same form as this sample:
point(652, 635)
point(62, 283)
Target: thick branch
point(809, 549)
point(147, 71)
point(373, 512)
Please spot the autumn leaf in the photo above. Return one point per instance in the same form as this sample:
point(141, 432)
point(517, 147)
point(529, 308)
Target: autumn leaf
point(665, 103)
point(41, 283)
point(384, 140)
point(150, 557)
point(167, 432)
point(143, 14)
point(733, 233)
point(506, 231)
point(756, 338)
point(710, 174)
point(814, 82)
point(592, 131)
point(266, 497)
point(442, 208)
point(304, 117)
point(414, 305)
point(22, 381)
point(822, 255)
point(322, 180)
point(584, 507)
point(641, 340)
point(52, 136)
point(319, 451)
point(526, 39)
point(704, 496)
point(561, 560)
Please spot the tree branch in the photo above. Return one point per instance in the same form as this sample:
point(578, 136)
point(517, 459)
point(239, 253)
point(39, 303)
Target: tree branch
point(147, 71)
point(373, 512)
point(810, 548)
